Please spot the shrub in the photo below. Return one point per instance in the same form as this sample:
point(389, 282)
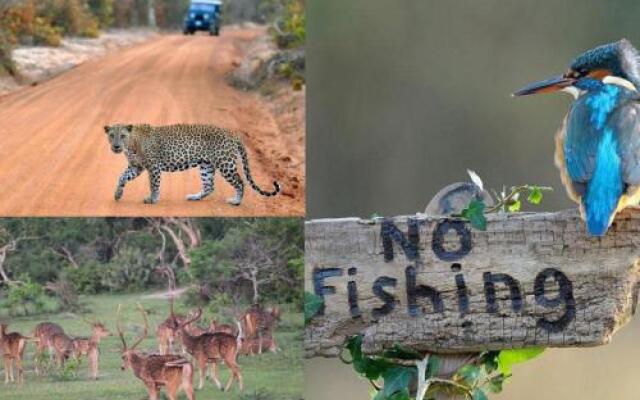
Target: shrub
point(69, 371)
point(71, 16)
point(131, 269)
point(103, 12)
point(87, 279)
point(6, 46)
point(25, 297)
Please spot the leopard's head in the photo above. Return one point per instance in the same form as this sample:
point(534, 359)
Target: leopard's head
point(118, 136)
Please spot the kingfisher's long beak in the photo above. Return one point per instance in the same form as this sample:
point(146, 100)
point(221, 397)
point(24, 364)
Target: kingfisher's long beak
point(547, 86)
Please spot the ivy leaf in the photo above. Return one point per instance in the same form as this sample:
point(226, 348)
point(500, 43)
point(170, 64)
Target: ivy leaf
point(474, 213)
point(495, 383)
point(490, 360)
point(535, 195)
point(515, 206)
point(507, 358)
point(312, 304)
point(371, 368)
point(433, 366)
point(478, 394)
point(470, 374)
point(396, 379)
point(401, 395)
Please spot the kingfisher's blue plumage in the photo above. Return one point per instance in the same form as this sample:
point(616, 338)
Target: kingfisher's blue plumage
point(598, 147)
point(592, 154)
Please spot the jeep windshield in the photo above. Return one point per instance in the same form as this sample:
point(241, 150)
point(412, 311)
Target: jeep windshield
point(204, 8)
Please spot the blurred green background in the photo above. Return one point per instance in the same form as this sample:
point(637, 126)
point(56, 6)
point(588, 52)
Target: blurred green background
point(405, 95)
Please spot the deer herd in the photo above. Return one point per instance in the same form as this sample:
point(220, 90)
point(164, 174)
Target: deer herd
point(180, 339)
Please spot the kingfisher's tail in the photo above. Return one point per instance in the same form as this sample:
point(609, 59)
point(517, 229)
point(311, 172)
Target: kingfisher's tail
point(605, 188)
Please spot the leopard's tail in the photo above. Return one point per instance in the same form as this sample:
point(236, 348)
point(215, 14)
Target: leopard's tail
point(247, 172)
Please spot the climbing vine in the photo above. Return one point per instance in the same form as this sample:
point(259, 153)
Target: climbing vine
point(404, 374)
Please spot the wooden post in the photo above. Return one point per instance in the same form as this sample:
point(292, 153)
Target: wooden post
point(438, 285)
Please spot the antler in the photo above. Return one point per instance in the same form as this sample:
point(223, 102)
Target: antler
point(119, 328)
point(197, 317)
point(146, 327)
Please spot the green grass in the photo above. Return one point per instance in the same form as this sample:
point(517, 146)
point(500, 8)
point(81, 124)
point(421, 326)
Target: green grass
point(266, 377)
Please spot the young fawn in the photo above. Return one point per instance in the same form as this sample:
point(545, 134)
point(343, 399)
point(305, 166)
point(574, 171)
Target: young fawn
point(209, 348)
point(43, 333)
point(90, 347)
point(155, 371)
point(12, 347)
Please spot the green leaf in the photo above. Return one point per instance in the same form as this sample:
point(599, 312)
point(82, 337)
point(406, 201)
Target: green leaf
point(535, 195)
point(507, 358)
point(401, 395)
point(396, 379)
point(470, 374)
point(433, 366)
point(474, 213)
point(478, 394)
point(371, 368)
point(312, 304)
point(495, 383)
point(490, 360)
point(515, 206)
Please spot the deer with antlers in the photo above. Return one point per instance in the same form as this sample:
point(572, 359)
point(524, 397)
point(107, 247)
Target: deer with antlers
point(154, 370)
point(166, 330)
point(43, 333)
point(12, 347)
point(210, 348)
point(90, 346)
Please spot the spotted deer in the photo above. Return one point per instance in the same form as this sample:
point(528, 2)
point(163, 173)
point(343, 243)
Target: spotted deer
point(156, 370)
point(214, 326)
point(210, 348)
point(166, 333)
point(63, 347)
point(90, 347)
point(259, 321)
point(255, 346)
point(12, 347)
point(43, 333)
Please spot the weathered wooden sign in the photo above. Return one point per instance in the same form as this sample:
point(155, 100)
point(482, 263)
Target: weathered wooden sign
point(440, 285)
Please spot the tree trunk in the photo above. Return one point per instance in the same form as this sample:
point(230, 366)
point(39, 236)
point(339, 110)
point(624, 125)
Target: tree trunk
point(151, 13)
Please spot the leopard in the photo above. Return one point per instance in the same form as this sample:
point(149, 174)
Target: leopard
point(173, 148)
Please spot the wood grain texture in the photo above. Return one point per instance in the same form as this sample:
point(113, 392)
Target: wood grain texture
point(530, 279)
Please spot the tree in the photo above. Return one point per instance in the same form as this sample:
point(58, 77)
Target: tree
point(253, 255)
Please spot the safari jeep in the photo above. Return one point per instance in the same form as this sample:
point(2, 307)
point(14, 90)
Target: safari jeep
point(203, 15)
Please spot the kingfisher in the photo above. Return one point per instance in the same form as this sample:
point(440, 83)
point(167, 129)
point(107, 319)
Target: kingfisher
point(598, 145)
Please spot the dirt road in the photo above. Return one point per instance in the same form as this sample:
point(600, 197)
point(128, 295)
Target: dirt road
point(55, 159)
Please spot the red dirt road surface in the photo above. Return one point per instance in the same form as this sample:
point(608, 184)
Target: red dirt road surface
point(55, 159)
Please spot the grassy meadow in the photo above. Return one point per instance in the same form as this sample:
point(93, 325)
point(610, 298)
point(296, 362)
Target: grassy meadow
point(266, 377)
